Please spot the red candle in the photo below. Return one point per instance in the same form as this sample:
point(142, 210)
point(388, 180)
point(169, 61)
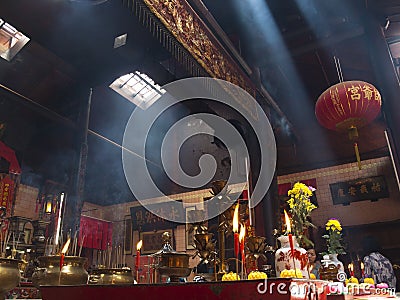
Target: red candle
point(138, 247)
point(137, 259)
point(63, 251)
point(291, 243)
point(351, 269)
point(62, 260)
point(235, 228)
point(236, 244)
point(241, 239)
point(288, 231)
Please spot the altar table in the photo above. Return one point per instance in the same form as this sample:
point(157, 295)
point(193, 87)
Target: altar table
point(274, 289)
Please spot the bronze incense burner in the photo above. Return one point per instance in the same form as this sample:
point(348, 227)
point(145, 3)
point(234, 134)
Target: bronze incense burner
point(72, 272)
point(111, 276)
point(9, 275)
point(170, 263)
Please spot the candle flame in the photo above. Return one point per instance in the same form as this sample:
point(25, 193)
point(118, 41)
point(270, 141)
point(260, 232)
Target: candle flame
point(66, 245)
point(287, 222)
point(139, 245)
point(362, 266)
point(235, 224)
point(350, 267)
point(242, 233)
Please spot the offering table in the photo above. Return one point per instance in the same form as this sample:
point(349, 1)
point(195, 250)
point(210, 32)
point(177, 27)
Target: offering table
point(274, 289)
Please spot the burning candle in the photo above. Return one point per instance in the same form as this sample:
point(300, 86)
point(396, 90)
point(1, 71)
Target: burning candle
point(235, 228)
point(137, 262)
point(351, 269)
point(362, 269)
point(138, 247)
point(288, 231)
point(63, 251)
point(241, 240)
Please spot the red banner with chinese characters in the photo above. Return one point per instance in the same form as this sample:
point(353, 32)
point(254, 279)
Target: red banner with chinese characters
point(95, 233)
point(7, 193)
point(7, 186)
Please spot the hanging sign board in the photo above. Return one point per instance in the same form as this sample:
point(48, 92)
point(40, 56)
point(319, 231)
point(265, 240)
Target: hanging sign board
point(144, 220)
point(370, 188)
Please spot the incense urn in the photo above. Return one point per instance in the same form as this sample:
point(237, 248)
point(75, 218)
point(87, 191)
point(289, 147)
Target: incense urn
point(111, 276)
point(9, 275)
point(170, 263)
point(51, 272)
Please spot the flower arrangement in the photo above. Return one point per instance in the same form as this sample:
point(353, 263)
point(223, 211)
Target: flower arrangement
point(300, 208)
point(334, 237)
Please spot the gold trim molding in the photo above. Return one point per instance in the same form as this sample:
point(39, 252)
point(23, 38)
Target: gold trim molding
point(189, 30)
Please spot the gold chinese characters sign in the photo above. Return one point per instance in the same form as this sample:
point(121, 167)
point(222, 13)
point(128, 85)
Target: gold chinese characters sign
point(144, 220)
point(371, 188)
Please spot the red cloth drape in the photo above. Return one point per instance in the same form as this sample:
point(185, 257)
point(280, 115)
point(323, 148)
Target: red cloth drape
point(95, 233)
point(9, 155)
point(310, 182)
point(283, 188)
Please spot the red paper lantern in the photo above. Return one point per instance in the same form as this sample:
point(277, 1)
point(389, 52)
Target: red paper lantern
point(347, 106)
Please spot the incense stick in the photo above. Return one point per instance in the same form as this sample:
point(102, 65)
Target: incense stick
point(80, 247)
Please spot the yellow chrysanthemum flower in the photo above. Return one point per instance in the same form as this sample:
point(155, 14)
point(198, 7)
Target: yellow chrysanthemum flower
point(333, 225)
point(369, 280)
point(300, 208)
point(300, 189)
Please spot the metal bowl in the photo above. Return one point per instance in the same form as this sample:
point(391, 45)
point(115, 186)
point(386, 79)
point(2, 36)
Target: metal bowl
point(174, 273)
point(174, 265)
point(111, 276)
point(174, 260)
point(9, 275)
point(71, 273)
point(171, 263)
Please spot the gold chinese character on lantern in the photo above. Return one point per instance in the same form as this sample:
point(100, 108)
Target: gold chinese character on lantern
point(367, 92)
point(354, 90)
point(377, 95)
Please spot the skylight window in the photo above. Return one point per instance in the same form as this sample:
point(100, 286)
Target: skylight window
point(138, 88)
point(11, 40)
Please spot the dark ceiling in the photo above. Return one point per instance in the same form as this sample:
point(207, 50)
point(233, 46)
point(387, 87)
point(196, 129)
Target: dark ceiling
point(289, 45)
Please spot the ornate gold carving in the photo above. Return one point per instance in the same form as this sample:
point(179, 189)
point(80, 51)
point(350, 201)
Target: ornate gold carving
point(187, 27)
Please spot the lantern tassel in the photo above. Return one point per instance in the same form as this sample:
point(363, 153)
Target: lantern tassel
point(357, 155)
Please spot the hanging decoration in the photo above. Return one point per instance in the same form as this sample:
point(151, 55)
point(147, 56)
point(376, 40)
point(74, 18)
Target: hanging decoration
point(348, 106)
point(9, 155)
point(8, 182)
point(177, 26)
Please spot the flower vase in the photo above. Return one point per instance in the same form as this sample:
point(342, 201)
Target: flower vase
point(333, 258)
point(285, 259)
point(331, 268)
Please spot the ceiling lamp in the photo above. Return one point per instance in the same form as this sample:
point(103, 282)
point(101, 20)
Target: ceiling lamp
point(348, 106)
